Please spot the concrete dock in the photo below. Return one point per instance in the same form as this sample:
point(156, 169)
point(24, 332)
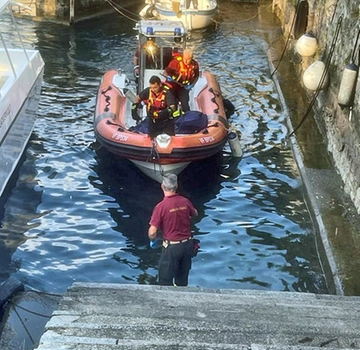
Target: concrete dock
point(121, 316)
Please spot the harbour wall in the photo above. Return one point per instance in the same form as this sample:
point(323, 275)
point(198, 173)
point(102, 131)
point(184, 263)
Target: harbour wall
point(70, 11)
point(329, 20)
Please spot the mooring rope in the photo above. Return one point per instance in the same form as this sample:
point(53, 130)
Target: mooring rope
point(288, 38)
point(323, 76)
point(154, 154)
point(333, 16)
point(121, 10)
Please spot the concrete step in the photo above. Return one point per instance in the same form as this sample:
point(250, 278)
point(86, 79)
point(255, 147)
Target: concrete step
point(94, 316)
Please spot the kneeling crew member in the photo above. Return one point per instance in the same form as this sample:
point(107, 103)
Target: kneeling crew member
point(161, 106)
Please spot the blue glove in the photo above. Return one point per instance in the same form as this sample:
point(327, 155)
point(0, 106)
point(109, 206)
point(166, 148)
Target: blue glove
point(155, 244)
point(189, 87)
point(169, 78)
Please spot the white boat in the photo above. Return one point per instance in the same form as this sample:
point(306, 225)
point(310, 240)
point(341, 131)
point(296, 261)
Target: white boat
point(195, 14)
point(21, 74)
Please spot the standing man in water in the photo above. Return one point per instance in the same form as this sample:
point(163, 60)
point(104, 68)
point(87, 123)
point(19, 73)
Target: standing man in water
point(172, 216)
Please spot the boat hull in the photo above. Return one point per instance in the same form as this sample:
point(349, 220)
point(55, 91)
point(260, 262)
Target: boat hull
point(199, 18)
point(17, 135)
point(192, 20)
point(157, 171)
point(21, 76)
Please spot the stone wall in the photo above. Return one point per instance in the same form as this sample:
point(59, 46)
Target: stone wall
point(59, 10)
point(340, 127)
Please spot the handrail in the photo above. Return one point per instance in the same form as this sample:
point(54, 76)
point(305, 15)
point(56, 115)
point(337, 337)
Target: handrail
point(11, 3)
point(17, 30)
point(8, 55)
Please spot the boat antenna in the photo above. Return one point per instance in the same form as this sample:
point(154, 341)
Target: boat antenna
point(323, 76)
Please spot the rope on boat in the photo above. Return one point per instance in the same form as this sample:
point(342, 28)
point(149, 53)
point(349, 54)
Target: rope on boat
point(107, 98)
point(216, 23)
point(121, 128)
point(154, 154)
point(213, 99)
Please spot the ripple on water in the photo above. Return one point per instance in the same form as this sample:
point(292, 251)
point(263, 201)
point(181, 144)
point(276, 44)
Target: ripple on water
point(89, 212)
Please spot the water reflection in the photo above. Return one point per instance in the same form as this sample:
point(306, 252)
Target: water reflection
point(15, 216)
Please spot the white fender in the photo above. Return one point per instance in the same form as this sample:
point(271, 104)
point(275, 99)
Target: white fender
point(234, 144)
point(313, 74)
point(306, 45)
point(347, 85)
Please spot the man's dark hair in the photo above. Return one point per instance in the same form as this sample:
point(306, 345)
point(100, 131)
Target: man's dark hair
point(155, 80)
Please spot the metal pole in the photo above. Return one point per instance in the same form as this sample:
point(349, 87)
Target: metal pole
point(72, 11)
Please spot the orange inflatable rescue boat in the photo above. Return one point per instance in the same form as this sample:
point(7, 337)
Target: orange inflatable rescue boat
point(199, 133)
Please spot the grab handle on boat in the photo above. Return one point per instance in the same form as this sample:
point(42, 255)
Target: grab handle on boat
point(130, 95)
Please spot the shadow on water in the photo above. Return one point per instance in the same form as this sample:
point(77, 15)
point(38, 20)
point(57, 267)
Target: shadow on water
point(137, 195)
point(15, 213)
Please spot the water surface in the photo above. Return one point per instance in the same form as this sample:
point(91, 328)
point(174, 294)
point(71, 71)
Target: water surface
point(75, 213)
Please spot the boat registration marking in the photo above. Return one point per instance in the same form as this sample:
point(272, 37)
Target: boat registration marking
point(5, 115)
point(120, 137)
point(207, 139)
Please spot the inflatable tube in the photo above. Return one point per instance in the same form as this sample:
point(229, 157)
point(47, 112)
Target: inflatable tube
point(301, 20)
point(8, 288)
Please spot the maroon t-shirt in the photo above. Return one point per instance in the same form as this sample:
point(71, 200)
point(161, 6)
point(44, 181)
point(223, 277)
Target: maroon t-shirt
point(172, 216)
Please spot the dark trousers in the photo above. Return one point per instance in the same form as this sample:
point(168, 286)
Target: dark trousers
point(161, 127)
point(175, 264)
point(182, 96)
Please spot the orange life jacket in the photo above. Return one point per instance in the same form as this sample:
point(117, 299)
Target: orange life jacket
point(156, 103)
point(186, 72)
